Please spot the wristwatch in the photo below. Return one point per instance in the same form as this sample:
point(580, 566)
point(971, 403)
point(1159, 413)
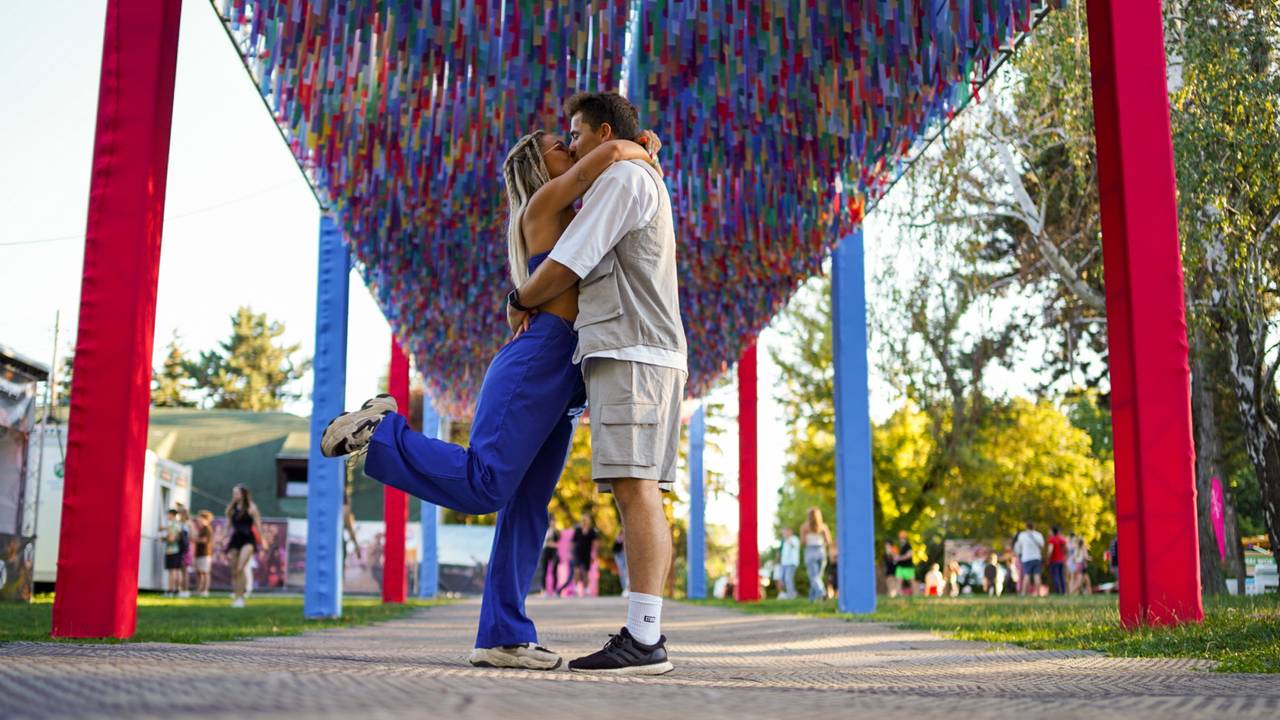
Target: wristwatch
point(513, 299)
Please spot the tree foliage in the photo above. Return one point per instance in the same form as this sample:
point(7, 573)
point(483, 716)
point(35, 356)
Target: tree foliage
point(250, 370)
point(172, 383)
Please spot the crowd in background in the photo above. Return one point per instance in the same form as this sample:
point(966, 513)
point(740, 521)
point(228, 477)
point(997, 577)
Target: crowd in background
point(1030, 565)
point(189, 546)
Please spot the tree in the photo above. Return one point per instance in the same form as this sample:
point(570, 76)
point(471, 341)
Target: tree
point(1227, 150)
point(251, 371)
point(170, 385)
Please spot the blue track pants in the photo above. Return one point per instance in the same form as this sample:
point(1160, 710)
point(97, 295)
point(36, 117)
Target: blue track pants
point(520, 437)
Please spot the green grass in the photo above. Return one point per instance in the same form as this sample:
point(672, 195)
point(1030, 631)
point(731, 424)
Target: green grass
point(199, 620)
point(1241, 633)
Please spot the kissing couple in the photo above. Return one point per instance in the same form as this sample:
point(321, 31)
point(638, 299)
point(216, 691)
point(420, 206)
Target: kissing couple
point(595, 315)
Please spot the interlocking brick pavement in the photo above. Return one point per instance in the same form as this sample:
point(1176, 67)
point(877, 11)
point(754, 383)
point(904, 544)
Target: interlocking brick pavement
point(727, 665)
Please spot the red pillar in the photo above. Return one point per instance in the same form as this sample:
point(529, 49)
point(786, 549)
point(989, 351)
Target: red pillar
point(395, 504)
point(748, 588)
point(111, 390)
point(1146, 318)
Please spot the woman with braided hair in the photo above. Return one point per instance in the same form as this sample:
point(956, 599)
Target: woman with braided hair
point(524, 417)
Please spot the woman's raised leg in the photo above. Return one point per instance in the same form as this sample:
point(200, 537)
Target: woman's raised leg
point(526, 392)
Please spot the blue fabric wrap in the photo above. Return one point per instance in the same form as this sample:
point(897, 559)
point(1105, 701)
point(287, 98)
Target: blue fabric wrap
point(855, 522)
point(322, 596)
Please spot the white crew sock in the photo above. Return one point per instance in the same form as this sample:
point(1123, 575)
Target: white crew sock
point(644, 617)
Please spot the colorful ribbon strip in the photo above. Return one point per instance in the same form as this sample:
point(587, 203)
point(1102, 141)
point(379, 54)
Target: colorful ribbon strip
point(780, 118)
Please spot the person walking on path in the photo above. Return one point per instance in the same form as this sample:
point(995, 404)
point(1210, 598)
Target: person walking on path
point(204, 551)
point(905, 565)
point(621, 247)
point(788, 561)
point(1057, 550)
point(246, 540)
point(817, 543)
point(620, 559)
point(1028, 545)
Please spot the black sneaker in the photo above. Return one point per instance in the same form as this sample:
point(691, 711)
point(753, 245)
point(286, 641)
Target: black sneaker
point(350, 432)
point(624, 655)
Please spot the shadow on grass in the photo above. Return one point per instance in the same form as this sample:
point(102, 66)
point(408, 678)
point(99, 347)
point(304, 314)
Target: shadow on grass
point(1241, 634)
point(198, 620)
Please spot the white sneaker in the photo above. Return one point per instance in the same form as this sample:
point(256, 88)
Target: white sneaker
point(526, 655)
point(350, 432)
point(237, 603)
point(204, 594)
point(184, 594)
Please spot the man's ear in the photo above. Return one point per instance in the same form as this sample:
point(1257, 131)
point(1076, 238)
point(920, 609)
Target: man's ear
point(606, 132)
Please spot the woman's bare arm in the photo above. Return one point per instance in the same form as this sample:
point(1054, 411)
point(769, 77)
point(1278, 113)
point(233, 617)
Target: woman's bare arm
point(561, 192)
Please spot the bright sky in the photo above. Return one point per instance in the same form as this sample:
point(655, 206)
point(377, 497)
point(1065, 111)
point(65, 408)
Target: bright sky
point(240, 226)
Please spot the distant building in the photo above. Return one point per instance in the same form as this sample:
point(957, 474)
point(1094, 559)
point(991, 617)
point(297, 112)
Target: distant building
point(265, 451)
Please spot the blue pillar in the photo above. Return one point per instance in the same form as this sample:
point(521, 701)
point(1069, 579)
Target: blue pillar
point(428, 554)
point(322, 596)
point(855, 519)
point(697, 537)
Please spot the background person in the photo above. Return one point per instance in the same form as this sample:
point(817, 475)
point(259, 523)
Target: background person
point(905, 565)
point(817, 540)
point(788, 562)
point(934, 582)
point(547, 561)
point(1078, 567)
point(172, 553)
point(203, 551)
point(1057, 551)
point(184, 551)
point(890, 560)
point(991, 576)
point(246, 533)
point(585, 538)
point(620, 559)
point(1112, 556)
point(1028, 546)
point(952, 579)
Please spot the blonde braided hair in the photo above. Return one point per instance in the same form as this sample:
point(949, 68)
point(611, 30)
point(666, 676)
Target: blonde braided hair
point(524, 171)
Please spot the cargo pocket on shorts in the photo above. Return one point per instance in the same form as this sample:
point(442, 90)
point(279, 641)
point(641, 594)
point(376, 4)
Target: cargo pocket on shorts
point(630, 434)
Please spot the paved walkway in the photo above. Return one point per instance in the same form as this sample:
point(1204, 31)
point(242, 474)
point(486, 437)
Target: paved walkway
point(727, 665)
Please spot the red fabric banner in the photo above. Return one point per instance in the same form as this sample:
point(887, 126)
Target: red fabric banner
point(748, 588)
point(1146, 316)
point(395, 504)
point(111, 390)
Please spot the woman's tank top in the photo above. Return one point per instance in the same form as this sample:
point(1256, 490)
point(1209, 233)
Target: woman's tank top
point(813, 538)
point(242, 523)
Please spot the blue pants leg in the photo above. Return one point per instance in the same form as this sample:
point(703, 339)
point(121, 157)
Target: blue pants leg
point(528, 390)
point(517, 545)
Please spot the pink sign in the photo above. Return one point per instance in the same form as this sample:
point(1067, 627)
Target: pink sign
point(1218, 513)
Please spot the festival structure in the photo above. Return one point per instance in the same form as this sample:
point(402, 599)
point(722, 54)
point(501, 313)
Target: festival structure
point(783, 121)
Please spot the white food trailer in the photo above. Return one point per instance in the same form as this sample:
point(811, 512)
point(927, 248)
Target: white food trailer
point(164, 483)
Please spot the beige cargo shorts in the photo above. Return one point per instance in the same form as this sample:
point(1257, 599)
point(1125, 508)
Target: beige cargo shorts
point(635, 420)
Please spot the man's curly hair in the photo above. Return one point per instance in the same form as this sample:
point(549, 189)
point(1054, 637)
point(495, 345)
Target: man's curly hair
point(598, 108)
